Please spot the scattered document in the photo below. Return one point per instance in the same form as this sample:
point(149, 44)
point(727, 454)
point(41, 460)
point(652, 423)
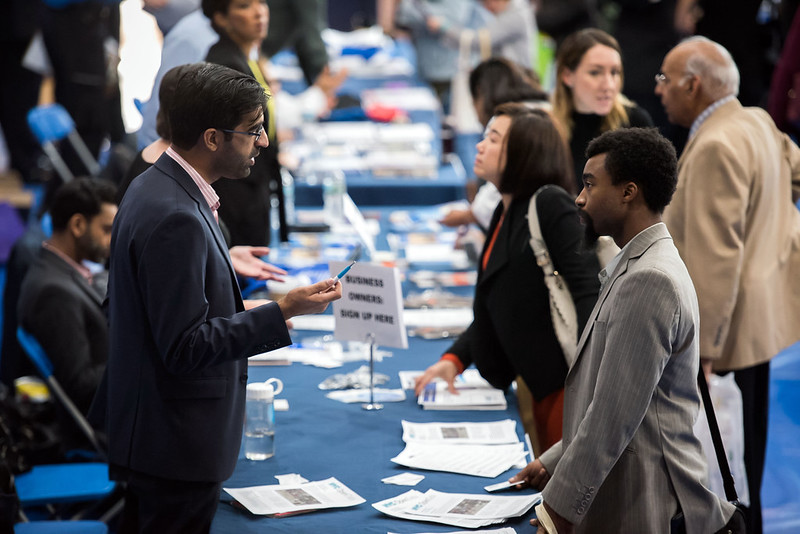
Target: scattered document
point(436, 253)
point(469, 378)
point(327, 357)
point(457, 509)
point(436, 396)
point(491, 433)
point(404, 479)
point(506, 530)
point(284, 499)
point(488, 461)
point(443, 317)
point(291, 478)
point(412, 318)
point(362, 395)
point(313, 322)
point(500, 486)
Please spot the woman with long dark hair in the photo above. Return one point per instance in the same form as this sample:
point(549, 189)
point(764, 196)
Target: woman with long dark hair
point(512, 331)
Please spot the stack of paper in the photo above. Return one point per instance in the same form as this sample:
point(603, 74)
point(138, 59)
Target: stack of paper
point(491, 433)
point(469, 378)
point(478, 449)
point(290, 499)
point(488, 461)
point(457, 509)
point(504, 530)
point(436, 396)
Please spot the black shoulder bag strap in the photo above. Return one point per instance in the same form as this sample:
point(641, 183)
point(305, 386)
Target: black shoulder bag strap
point(724, 468)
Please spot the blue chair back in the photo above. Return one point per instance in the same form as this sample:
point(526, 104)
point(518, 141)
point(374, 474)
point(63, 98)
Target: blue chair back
point(50, 123)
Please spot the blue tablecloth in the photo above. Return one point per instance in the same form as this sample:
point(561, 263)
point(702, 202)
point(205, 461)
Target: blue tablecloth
point(319, 438)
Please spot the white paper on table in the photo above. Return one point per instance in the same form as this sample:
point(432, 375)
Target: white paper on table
point(436, 396)
point(506, 530)
point(362, 395)
point(436, 253)
point(457, 505)
point(488, 461)
point(469, 378)
point(291, 478)
point(399, 507)
point(404, 479)
point(328, 357)
point(434, 318)
point(295, 498)
point(488, 433)
point(313, 322)
point(407, 98)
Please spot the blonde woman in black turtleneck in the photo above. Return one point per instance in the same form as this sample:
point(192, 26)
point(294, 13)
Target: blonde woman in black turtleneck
point(588, 97)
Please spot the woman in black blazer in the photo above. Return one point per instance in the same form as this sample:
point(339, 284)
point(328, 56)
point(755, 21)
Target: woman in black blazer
point(245, 203)
point(512, 331)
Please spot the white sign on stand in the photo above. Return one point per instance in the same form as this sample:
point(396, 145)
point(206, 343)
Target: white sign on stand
point(371, 303)
point(357, 221)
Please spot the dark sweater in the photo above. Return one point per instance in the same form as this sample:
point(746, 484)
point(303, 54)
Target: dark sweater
point(586, 126)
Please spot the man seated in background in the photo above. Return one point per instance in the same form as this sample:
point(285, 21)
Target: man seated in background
point(58, 303)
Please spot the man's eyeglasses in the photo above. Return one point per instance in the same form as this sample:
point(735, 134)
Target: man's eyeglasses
point(256, 134)
point(662, 79)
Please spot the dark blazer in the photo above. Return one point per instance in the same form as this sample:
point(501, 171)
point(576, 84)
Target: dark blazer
point(512, 330)
point(179, 334)
point(64, 313)
point(245, 203)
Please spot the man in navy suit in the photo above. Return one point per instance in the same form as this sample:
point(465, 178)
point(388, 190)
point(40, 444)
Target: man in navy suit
point(179, 331)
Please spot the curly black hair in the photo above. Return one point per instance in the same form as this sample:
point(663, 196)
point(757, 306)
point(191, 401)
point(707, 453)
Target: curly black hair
point(642, 156)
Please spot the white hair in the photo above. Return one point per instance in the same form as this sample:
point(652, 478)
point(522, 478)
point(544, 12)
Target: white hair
point(720, 78)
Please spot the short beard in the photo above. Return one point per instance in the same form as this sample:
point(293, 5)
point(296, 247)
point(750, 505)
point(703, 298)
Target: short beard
point(590, 235)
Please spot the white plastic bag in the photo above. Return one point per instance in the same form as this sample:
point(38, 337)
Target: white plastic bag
point(727, 399)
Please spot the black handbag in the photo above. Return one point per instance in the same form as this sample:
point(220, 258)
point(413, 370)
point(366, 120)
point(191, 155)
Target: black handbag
point(736, 525)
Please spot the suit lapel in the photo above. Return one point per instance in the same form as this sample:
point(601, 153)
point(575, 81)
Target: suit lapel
point(59, 264)
point(171, 168)
point(637, 247)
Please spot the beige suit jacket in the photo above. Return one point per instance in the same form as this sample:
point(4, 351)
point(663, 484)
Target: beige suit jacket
point(628, 460)
point(736, 228)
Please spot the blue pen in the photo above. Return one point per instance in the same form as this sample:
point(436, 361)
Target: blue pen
point(340, 275)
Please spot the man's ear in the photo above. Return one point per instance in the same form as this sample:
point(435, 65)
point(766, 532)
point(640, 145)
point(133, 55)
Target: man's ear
point(77, 225)
point(630, 192)
point(692, 84)
point(212, 139)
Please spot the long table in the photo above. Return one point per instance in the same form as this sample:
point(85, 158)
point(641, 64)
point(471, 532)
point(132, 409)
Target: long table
point(369, 190)
point(319, 438)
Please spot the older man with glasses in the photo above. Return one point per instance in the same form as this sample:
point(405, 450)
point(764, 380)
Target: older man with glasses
point(735, 226)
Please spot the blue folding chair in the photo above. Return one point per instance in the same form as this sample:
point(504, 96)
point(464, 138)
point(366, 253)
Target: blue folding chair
point(55, 484)
point(51, 123)
point(45, 367)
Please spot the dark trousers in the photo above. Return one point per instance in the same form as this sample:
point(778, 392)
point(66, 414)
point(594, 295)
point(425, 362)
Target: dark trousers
point(156, 505)
point(754, 383)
